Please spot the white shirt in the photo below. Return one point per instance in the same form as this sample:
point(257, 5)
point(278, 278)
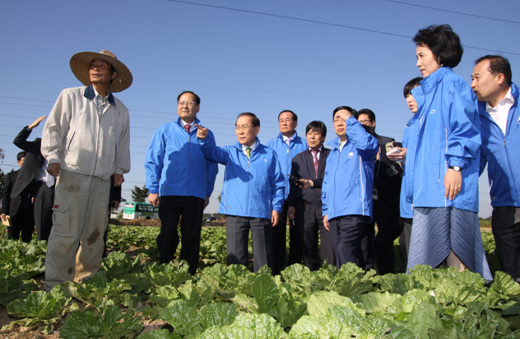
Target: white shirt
point(501, 112)
point(192, 124)
point(341, 144)
point(253, 147)
point(317, 153)
point(287, 140)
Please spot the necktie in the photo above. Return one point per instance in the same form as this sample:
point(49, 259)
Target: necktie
point(288, 142)
point(315, 158)
point(187, 128)
point(248, 152)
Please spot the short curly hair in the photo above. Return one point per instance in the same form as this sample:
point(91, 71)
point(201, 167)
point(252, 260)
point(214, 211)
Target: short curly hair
point(443, 42)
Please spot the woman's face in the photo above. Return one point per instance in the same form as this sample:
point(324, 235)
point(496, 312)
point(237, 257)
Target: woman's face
point(426, 61)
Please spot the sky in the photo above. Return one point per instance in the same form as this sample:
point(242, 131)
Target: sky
point(257, 56)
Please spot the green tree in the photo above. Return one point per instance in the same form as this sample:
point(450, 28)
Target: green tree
point(140, 194)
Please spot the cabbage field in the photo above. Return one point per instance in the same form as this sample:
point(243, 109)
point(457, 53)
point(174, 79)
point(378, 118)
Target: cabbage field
point(132, 297)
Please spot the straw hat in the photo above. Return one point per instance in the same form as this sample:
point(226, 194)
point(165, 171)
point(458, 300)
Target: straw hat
point(80, 62)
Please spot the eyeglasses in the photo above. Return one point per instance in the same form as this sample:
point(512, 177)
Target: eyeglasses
point(243, 127)
point(285, 120)
point(338, 120)
point(189, 103)
point(364, 121)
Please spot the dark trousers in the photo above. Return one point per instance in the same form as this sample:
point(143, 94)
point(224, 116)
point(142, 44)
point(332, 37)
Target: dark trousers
point(43, 203)
point(171, 209)
point(309, 222)
point(237, 235)
point(388, 229)
point(505, 223)
point(404, 239)
point(367, 254)
point(22, 222)
point(346, 233)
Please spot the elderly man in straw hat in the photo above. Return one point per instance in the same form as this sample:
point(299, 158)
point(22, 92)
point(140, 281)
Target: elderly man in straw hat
point(85, 140)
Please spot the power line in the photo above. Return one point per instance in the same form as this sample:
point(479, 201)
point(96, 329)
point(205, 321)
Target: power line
point(325, 23)
point(455, 12)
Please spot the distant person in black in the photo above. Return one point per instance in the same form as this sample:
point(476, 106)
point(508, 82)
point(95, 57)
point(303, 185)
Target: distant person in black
point(387, 188)
point(305, 206)
point(35, 171)
point(18, 206)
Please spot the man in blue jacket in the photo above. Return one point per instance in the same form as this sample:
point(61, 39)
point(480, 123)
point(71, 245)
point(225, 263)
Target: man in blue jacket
point(347, 185)
point(252, 195)
point(286, 145)
point(180, 181)
point(500, 131)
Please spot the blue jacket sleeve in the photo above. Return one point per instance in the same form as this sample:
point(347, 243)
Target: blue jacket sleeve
point(277, 182)
point(462, 125)
point(324, 207)
point(154, 161)
point(365, 143)
point(211, 151)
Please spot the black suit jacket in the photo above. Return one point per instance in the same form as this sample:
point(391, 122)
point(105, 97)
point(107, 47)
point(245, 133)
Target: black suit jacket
point(303, 168)
point(31, 166)
point(10, 180)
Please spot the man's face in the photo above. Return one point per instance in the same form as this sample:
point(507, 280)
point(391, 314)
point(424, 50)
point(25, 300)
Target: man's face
point(485, 85)
point(287, 124)
point(412, 104)
point(187, 107)
point(340, 126)
point(314, 138)
point(365, 120)
point(100, 72)
point(246, 133)
point(20, 162)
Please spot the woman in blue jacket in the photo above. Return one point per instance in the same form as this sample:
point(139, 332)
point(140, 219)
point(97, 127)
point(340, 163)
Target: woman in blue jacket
point(445, 165)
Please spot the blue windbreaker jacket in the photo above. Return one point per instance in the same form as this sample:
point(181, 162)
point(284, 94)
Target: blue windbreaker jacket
point(501, 154)
point(448, 135)
point(252, 187)
point(285, 155)
point(349, 174)
point(175, 164)
point(409, 137)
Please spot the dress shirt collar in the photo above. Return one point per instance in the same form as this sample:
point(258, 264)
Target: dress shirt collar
point(253, 147)
point(508, 100)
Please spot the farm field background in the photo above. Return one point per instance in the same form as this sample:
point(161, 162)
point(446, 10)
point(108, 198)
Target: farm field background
point(133, 297)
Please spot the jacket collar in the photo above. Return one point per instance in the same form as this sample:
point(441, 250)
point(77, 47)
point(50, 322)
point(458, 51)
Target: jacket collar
point(239, 145)
point(431, 81)
point(334, 143)
point(90, 94)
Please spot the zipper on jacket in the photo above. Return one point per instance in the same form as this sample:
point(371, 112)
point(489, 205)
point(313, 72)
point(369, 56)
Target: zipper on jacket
point(248, 184)
point(511, 171)
point(361, 181)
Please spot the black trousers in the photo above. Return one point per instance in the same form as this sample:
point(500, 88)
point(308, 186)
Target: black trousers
point(367, 255)
point(505, 223)
point(279, 233)
point(237, 235)
point(346, 233)
point(43, 203)
point(171, 209)
point(309, 221)
point(388, 229)
point(22, 222)
point(404, 239)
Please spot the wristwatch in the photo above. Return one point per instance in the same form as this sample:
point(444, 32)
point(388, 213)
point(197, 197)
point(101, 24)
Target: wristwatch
point(456, 168)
